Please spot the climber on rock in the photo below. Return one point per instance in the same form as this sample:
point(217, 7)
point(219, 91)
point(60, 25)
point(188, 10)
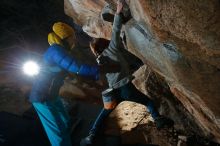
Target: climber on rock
point(56, 62)
point(120, 85)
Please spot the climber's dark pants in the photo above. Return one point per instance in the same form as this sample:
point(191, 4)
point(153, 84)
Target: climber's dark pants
point(127, 92)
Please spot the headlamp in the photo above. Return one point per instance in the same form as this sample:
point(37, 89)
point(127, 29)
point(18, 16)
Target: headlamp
point(31, 68)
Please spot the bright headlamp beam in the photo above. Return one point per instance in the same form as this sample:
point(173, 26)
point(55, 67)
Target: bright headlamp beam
point(31, 68)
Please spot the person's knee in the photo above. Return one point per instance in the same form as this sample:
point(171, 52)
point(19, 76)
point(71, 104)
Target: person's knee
point(109, 102)
point(109, 106)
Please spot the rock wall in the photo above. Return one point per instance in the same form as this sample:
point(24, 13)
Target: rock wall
point(179, 40)
point(87, 14)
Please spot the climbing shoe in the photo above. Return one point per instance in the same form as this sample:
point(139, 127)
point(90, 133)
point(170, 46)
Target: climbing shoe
point(87, 141)
point(163, 122)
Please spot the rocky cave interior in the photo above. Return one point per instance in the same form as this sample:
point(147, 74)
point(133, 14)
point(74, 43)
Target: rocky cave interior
point(177, 41)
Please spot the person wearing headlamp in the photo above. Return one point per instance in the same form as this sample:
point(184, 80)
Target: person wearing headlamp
point(44, 96)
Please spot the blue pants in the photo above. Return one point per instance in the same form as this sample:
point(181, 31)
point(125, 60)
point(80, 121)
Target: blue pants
point(55, 121)
point(127, 92)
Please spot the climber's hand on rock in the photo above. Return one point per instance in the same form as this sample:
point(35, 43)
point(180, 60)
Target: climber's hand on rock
point(120, 4)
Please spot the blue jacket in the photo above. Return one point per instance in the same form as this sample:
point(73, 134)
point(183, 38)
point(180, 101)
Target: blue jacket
point(56, 63)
